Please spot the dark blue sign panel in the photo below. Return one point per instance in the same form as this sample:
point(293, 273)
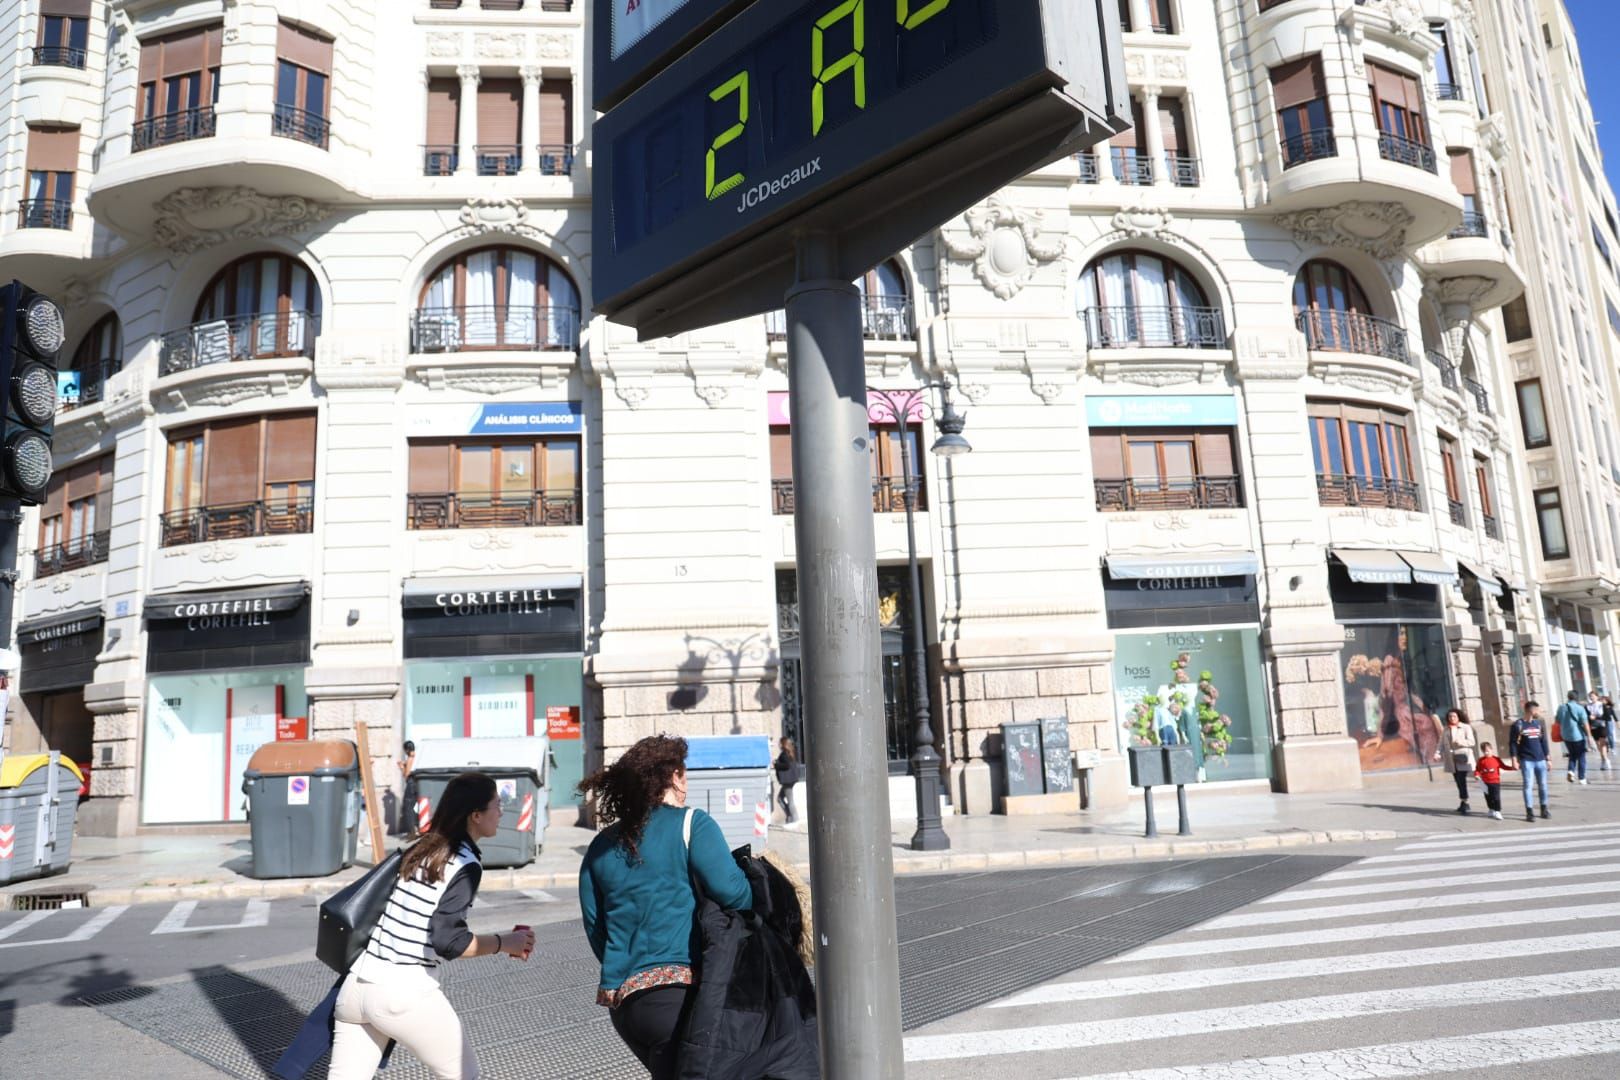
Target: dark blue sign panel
point(635, 39)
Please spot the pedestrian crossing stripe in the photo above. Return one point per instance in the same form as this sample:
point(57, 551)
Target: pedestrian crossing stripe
point(95, 925)
point(1407, 904)
point(1472, 851)
point(1433, 883)
point(176, 921)
point(1542, 856)
point(1441, 841)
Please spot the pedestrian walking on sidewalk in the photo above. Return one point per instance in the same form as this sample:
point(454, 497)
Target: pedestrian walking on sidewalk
point(392, 994)
point(1573, 726)
point(1603, 733)
point(1489, 770)
point(636, 894)
point(1529, 748)
point(1457, 753)
point(787, 774)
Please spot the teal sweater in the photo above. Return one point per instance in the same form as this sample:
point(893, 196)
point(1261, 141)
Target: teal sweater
point(640, 914)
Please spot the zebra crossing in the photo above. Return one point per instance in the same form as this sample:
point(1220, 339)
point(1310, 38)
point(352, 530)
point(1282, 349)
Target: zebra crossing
point(1451, 955)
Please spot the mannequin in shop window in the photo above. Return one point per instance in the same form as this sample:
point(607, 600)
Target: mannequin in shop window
point(1171, 723)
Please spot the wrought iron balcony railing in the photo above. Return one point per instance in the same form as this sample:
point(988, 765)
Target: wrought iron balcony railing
point(440, 160)
point(888, 495)
point(450, 510)
point(45, 214)
point(523, 329)
point(884, 317)
point(301, 124)
point(175, 127)
point(1493, 527)
point(1155, 328)
point(1404, 151)
point(1183, 170)
point(1132, 167)
point(81, 551)
point(237, 521)
point(1448, 91)
point(1473, 225)
point(1448, 370)
point(1459, 512)
point(1350, 331)
point(1476, 389)
point(498, 160)
point(1087, 164)
point(556, 160)
point(1342, 489)
point(1312, 145)
point(1185, 493)
point(59, 56)
point(240, 337)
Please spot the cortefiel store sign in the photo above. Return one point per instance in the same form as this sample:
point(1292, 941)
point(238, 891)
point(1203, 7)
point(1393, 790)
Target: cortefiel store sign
point(446, 420)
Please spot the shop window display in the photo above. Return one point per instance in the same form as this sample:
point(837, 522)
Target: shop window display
point(1397, 683)
point(1205, 686)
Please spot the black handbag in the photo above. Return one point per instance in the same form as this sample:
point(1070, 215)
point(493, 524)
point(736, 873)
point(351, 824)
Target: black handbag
point(349, 917)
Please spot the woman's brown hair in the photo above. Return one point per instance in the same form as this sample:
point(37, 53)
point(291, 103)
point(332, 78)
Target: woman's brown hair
point(630, 789)
point(463, 797)
point(790, 751)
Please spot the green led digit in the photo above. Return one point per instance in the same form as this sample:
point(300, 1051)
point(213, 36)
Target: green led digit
point(738, 86)
point(853, 61)
point(904, 16)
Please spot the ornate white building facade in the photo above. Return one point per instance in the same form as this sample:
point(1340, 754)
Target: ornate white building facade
point(346, 443)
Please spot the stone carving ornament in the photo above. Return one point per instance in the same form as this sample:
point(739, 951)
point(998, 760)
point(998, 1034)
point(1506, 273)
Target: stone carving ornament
point(506, 215)
point(1007, 246)
point(194, 218)
point(1376, 228)
point(1142, 221)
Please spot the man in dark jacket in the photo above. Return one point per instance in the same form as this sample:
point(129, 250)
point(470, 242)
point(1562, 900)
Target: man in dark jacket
point(1531, 748)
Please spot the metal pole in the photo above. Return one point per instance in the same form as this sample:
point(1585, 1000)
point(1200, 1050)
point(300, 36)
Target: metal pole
point(1152, 822)
point(10, 526)
point(930, 835)
point(1184, 827)
point(851, 864)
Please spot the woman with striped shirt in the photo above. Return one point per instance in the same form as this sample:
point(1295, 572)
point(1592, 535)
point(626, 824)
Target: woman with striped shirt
point(392, 991)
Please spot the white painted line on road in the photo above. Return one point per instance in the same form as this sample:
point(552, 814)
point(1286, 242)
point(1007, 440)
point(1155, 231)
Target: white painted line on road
point(256, 915)
point(90, 929)
point(1413, 904)
point(1451, 1054)
point(1323, 967)
point(540, 896)
point(1225, 1020)
point(1453, 924)
point(1497, 847)
point(1454, 881)
point(1444, 840)
point(33, 918)
point(1541, 857)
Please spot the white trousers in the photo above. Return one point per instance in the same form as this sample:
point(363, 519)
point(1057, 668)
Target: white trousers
point(414, 1013)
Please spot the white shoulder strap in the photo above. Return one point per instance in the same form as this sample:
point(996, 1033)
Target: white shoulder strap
point(686, 828)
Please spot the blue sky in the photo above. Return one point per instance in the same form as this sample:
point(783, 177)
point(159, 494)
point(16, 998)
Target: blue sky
point(1597, 26)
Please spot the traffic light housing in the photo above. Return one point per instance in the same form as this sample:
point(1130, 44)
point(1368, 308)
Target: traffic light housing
point(31, 337)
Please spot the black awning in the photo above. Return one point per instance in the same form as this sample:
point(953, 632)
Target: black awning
point(50, 627)
point(261, 598)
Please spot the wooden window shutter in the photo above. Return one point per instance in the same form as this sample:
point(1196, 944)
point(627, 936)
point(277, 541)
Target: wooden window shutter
point(151, 60)
point(289, 453)
point(1173, 123)
point(1107, 457)
point(73, 9)
point(104, 492)
point(55, 494)
point(82, 481)
point(781, 453)
point(1462, 172)
point(304, 47)
point(556, 112)
point(1298, 82)
point(1215, 453)
point(1135, 137)
point(53, 149)
point(185, 52)
point(500, 112)
point(232, 463)
point(443, 109)
point(430, 469)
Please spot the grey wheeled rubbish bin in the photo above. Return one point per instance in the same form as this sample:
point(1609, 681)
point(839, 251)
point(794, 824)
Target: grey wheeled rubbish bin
point(729, 777)
point(303, 807)
point(521, 769)
point(39, 801)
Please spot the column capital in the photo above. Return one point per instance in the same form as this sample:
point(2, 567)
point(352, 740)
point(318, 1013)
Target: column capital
point(1151, 93)
point(468, 72)
point(532, 73)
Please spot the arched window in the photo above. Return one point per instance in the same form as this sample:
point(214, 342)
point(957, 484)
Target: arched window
point(1332, 310)
point(887, 307)
point(100, 354)
point(262, 306)
point(497, 298)
point(1133, 300)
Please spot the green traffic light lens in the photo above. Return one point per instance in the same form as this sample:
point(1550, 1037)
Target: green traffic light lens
point(28, 462)
point(42, 322)
point(35, 390)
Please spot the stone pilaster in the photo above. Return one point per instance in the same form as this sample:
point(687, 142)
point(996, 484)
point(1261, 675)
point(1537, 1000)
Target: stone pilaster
point(114, 806)
point(1464, 640)
point(341, 697)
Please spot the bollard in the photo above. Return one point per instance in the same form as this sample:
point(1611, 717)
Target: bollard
point(1152, 824)
point(1181, 810)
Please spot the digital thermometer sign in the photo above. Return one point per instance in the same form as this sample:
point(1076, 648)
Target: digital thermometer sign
point(873, 119)
point(643, 36)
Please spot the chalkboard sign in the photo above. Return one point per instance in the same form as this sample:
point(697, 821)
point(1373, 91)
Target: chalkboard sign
point(1022, 759)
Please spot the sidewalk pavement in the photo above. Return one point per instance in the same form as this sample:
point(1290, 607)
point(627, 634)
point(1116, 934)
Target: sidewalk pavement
point(1225, 820)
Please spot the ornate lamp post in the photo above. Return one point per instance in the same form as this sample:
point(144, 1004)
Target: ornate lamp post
point(898, 407)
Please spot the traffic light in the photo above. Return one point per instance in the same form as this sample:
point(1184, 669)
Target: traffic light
point(31, 336)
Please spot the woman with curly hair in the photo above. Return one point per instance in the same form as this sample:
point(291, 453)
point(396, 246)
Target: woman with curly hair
point(635, 893)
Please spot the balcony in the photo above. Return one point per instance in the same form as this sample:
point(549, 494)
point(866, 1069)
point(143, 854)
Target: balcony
point(1087, 164)
point(1476, 390)
point(1352, 332)
point(300, 124)
point(1474, 250)
point(1131, 167)
point(1473, 225)
point(45, 214)
point(449, 510)
point(888, 495)
point(1493, 527)
point(1346, 490)
point(1450, 92)
point(171, 128)
point(1314, 145)
point(1448, 370)
point(1183, 171)
point(498, 160)
point(1155, 328)
point(520, 329)
point(440, 160)
point(556, 160)
point(238, 521)
point(241, 337)
point(884, 317)
point(1404, 151)
point(1185, 493)
point(59, 56)
point(75, 554)
point(1459, 513)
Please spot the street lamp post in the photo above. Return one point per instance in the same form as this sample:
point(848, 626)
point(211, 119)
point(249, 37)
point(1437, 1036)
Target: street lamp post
point(898, 406)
